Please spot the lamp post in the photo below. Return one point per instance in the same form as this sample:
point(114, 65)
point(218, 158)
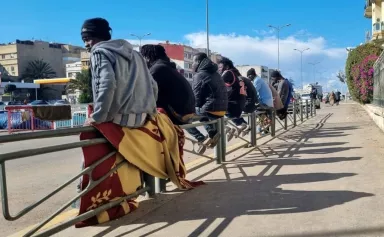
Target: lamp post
point(207, 26)
point(314, 71)
point(140, 38)
point(301, 68)
point(278, 28)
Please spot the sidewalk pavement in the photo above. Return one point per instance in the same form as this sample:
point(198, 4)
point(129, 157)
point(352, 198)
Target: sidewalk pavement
point(323, 178)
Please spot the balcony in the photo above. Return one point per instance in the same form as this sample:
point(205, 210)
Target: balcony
point(368, 9)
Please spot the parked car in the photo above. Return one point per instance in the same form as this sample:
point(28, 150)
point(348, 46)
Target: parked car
point(61, 102)
point(39, 102)
point(10, 103)
point(305, 97)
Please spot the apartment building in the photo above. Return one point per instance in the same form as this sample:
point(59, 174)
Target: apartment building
point(261, 71)
point(72, 69)
point(374, 10)
point(15, 57)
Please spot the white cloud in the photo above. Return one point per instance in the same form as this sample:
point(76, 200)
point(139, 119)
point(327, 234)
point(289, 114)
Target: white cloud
point(262, 50)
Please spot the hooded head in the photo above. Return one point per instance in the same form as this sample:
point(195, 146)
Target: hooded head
point(152, 53)
point(201, 62)
point(225, 64)
point(276, 76)
point(251, 74)
point(95, 30)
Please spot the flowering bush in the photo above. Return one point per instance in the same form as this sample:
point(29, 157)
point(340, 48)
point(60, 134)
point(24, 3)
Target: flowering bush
point(359, 71)
point(362, 75)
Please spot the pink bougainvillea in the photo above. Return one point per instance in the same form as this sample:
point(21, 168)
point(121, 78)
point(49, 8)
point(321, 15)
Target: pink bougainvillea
point(363, 78)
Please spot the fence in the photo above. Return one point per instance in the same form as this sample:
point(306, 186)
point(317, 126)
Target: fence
point(152, 185)
point(378, 81)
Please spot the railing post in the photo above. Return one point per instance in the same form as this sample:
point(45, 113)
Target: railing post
point(306, 109)
point(273, 123)
point(311, 108)
point(220, 147)
point(156, 185)
point(253, 129)
point(314, 108)
point(301, 111)
point(286, 122)
point(32, 120)
point(294, 114)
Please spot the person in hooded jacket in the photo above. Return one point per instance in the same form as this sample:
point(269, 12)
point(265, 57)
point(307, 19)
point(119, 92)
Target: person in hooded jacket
point(124, 91)
point(175, 93)
point(211, 100)
point(236, 93)
point(251, 101)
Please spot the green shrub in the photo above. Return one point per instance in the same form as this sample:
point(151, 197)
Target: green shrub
point(85, 98)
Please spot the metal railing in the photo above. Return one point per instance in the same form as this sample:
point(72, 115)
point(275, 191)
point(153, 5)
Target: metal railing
point(151, 185)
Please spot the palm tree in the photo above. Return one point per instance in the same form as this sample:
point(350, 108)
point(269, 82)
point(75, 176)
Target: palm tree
point(38, 69)
point(82, 83)
point(341, 76)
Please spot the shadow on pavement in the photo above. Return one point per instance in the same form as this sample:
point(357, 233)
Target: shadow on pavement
point(225, 199)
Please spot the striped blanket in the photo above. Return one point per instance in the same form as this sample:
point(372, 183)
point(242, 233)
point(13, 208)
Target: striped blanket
point(156, 148)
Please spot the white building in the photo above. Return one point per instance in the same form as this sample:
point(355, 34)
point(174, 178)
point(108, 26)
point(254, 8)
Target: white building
point(72, 69)
point(261, 71)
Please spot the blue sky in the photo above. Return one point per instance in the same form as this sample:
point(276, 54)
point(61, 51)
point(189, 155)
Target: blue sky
point(327, 26)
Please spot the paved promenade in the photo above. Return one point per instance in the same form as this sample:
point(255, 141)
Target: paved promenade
point(322, 178)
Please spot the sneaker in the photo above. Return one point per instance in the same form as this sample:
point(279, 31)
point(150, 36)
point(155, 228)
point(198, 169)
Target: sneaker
point(230, 134)
point(214, 141)
point(246, 130)
point(202, 147)
point(241, 128)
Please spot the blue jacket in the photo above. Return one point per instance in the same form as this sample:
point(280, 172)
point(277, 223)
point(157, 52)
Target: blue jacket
point(124, 91)
point(263, 91)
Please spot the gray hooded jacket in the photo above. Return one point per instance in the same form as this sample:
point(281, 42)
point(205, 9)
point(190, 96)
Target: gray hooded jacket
point(124, 91)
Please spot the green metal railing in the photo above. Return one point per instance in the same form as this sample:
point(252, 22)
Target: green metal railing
point(151, 185)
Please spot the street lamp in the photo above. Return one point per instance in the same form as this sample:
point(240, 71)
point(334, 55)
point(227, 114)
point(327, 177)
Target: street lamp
point(278, 28)
point(140, 38)
point(314, 71)
point(207, 25)
point(301, 68)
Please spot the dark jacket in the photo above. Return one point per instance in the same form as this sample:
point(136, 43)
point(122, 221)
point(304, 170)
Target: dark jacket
point(175, 92)
point(208, 87)
point(252, 97)
point(236, 101)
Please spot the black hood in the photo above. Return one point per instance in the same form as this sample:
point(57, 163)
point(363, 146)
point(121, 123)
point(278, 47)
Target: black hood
point(207, 65)
point(163, 61)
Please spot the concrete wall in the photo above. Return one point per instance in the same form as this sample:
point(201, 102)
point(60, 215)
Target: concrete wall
point(40, 50)
point(376, 113)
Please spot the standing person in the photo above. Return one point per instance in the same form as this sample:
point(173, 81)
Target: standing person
point(211, 99)
point(236, 93)
point(175, 93)
point(124, 91)
point(332, 98)
point(284, 88)
point(337, 97)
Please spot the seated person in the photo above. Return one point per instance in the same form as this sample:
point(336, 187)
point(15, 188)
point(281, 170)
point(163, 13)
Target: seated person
point(175, 93)
point(211, 99)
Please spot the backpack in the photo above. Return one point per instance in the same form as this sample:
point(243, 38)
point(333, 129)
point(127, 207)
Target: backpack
point(243, 90)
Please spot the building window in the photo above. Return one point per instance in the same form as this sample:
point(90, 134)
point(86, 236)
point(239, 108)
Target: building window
point(186, 75)
point(12, 69)
point(185, 55)
point(3, 56)
point(190, 75)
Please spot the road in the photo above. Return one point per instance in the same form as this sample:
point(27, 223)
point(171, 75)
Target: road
point(31, 178)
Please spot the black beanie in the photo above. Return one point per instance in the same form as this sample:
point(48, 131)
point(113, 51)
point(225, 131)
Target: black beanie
point(251, 72)
point(276, 74)
point(96, 27)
